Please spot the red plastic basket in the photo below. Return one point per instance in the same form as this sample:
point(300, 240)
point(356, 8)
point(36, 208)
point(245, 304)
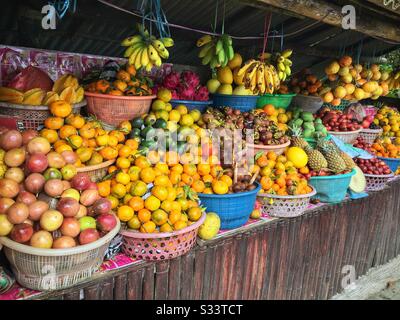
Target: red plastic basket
point(160, 246)
point(115, 109)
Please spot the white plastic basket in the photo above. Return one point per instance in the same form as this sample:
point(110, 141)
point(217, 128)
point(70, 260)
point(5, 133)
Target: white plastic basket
point(370, 135)
point(349, 137)
point(55, 269)
point(377, 182)
point(285, 206)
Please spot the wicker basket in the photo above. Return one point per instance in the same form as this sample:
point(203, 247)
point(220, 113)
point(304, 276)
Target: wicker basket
point(285, 206)
point(55, 269)
point(370, 135)
point(278, 149)
point(31, 117)
point(160, 246)
point(377, 182)
point(349, 137)
point(97, 172)
point(308, 103)
point(115, 109)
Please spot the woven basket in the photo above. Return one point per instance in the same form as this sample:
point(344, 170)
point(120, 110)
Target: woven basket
point(160, 246)
point(370, 135)
point(55, 269)
point(31, 117)
point(343, 105)
point(377, 182)
point(115, 109)
point(97, 172)
point(278, 149)
point(349, 137)
point(308, 103)
point(285, 206)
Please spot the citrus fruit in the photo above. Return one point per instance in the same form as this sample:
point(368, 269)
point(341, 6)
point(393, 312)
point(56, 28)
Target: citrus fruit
point(125, 213)
point(164, 95)
point(186, 120)
point(162, 180)
point(134, 173)
point(195, 114)
point(166, 205)
point(114, 201)
point(159, 217)
point(174, 216)
point(176, 206)
point(166, 227)
point(148, 227)
point(160, 192)
point(158, 105)
point(136, 203)
point(182, 109)
point(171, 193)
point(134, 223)
point(220, 187)
point(144, 215)
point(122, 178)
point(194, 214)
point(152, 203)
point(174, 116)
point(179, 225)
point(147, 175)
point(138, 188)
point(123, 163)
point(118, 190)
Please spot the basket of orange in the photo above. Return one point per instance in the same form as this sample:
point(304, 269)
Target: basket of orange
point(387, 151)
point(126, 97)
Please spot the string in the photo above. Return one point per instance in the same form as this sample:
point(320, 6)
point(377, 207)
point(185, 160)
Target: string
point(267, 25)
point(215, 17)
point(223, 20)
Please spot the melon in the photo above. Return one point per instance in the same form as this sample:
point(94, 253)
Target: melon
point(210, 227)
point(358, 182)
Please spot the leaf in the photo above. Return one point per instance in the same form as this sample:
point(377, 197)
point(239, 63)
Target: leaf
point(259, 155)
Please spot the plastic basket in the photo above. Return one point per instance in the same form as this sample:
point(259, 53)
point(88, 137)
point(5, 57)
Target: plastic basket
point(281, 101)
point(115, 109)
point(233, 209)
point(97, 172)
point(370, 135)
point(307, 103)
point(29, 116)
point(285, 206)
point(313, 143)
point(341, 107)
point(278, 149)
point(349, 137)
point(242, 103)
point(192, 105)
point(332, 189)
point(377, 182)
point(55, 269)
point(160, 246)
point(392, 163)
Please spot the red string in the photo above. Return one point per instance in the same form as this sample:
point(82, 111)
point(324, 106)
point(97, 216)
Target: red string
point(267, 25)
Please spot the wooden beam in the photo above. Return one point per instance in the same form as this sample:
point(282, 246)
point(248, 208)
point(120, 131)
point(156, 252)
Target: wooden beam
point(331, 14)
point(391, 5)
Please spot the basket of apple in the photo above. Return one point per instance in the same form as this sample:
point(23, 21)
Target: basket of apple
point(376, 171)
point(52, 221)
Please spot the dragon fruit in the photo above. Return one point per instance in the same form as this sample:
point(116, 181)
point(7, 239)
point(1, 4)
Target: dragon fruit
point(190, 79)
point(186, 93)
point(201, 94)
point(175, 95)
point(172, 80)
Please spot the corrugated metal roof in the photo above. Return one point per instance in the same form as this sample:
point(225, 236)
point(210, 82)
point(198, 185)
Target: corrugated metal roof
point(97, 29)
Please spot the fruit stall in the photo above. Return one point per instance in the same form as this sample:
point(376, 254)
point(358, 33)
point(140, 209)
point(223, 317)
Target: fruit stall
point(236, 174)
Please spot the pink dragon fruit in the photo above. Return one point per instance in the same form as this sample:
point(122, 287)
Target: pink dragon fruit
point(201, 94)
point(190, 79)
point(186, 93)
point(172, 80)
point(175, 95)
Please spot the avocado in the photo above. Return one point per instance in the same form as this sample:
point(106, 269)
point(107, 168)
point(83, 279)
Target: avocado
point(134, 133)
point(150, 144)
point(160, 123)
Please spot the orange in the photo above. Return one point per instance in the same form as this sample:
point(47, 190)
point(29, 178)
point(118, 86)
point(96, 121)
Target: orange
point(114, 201)
point(138, 188)
point(179, 225)
point(118, 190)
point(131, 143)
point(269, 109)
point(125, 213)
point(174, 216)
point(142, 162)
point(198, 186)
point(171, 193)
point(59, 143)
point(60, 108)
point(102, 140)
point(194, 213)
point(63, 147)
point(134, 223)
point(176, 206)
point(216, 171)
point(208, 178)
point(272, 156)
point(153, 156)
point(104, 188)
point(266, 183)
point(184, 217)
point(166, 205)
point(175, 177)
point(66, 131)
point(75, 120)
point(226, 179)
point(183, 203)
point(54, 123)
point(160, 192)
point(124, 151)
point(87, 131)
point(118, 134)
point(144, 215)
point(166, 227)
point(112, 141)
point(152, 203)
point(123, 178)
point(108, 153)
point(220, 187)
point(147, 175)
point(262, 161)
point(180, 192)
point(75, 141)
point(50, 135)
point(134, 173)
point(148, 227)
point(208, 191)
point(159, 217)
point(189, 169)
point(127, 198)
point(178, 168)
point(187, 179)
point(123, 163)
point(124, 75)
point(203, 169)
point(163, 167)
point(131, 70)
point(162, 180)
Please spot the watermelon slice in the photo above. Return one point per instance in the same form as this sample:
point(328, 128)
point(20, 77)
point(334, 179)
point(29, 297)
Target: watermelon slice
point(358, 182)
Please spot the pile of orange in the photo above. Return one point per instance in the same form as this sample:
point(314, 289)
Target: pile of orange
point(385, 148)
point(279, 176)
point(127, 83)
point(86, 137)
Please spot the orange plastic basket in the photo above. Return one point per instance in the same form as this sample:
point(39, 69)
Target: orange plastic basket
point(114, 109)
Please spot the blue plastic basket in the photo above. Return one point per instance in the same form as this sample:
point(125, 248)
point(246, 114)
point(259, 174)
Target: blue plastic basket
point(332, 189)
point(234, 209)
point(242, 103)
point(392, 163)
point(191, 105)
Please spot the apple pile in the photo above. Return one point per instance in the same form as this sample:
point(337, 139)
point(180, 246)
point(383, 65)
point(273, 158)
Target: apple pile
point(362, 144)
point(337, 121)
point(34, 177)
point(373, 166)
point(324, 173)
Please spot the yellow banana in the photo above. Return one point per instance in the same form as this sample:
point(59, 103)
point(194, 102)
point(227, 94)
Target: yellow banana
point(281, 67)
point(275, 76)
point(131, 40)
point(246, 66)
point(204, 50)
point(159, 46)
point(138, 58)
point(153, 54)
point(203, 40)
point(269, 81)
point(264, 56)
point(250, 75)
point(260, 78)
point(132, 57)
point(131, 48)
point(253, 83)
point(168, 42)
point(149, 66)
point(144, 59)
point(287, 53)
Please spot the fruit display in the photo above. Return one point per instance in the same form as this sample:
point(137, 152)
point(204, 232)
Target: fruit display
point(305, 83)
point(279, 116)
point(127, 82)
point(362, 144)
point(144, 50)
point(184, 86)
point(209, 229)
point(373, 166)
point(281, 62)
point(65, 88)
point(215, 50)
point(285, 174)
point(337, 121)
point(394, 81)
point(350, 81)
point(310, 127)
point(384, 147)
point(389, 120)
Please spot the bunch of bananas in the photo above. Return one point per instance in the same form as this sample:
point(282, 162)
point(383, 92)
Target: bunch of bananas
point(281, 62)
point(394, 81)
point(145, 51)
point(215, 51)
point(260, 77)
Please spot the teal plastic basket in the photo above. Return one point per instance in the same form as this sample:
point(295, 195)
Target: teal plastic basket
point(280, 101)
point(341, 107)
point(332, 189)
point(313, 143)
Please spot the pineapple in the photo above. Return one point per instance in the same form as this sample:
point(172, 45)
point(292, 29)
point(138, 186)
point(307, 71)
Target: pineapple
point(316, 160)
point(350, 165)
point(297, 140)
point(335, 162)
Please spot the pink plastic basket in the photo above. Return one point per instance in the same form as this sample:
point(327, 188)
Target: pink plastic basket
point(114, 109)
point(160, 246)
point(370, 135)
point(377, 182)
point(278, 149)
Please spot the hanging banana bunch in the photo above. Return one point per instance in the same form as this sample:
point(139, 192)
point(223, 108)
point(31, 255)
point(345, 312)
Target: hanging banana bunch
point(145, 51)
point(281, 62)
point(260, 77)
point(394, 81)
point(215, 51)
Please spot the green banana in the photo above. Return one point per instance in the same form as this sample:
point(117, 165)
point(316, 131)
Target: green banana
point(221, 57)
point(203, 40)
point(131, 40)
point(288, 71)
point(203, 52)
point(168, 42)
point(214, 62)
point(207, 58)
point(219, 46)
point(288, 62)
point(287, 53)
